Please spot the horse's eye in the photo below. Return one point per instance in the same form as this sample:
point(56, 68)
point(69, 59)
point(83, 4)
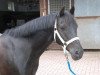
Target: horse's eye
point(63, 28)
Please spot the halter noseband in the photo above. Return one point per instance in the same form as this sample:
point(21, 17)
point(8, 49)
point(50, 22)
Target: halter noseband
point(65, 44)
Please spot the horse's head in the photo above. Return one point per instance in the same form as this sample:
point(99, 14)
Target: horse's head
point(67, 29)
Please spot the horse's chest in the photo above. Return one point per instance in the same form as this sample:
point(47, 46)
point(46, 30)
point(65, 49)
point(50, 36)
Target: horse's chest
point(21, 52)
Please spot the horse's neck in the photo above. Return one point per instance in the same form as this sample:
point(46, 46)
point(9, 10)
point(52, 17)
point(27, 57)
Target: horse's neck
point(33, 26)
point(31, 49)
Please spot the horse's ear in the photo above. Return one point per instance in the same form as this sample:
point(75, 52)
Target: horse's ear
point(61, 13)
point(72, 10)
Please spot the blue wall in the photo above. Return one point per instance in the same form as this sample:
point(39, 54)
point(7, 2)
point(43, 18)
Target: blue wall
point(87, 8)
point(89, 26)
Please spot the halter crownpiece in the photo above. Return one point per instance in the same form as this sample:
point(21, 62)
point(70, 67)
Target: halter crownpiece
point(0, 34)
point(65, 44)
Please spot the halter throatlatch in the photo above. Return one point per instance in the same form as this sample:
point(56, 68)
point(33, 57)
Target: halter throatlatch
point(65, 44)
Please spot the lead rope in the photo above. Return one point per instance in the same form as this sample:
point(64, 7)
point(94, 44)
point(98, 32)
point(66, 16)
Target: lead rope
point(67, 60)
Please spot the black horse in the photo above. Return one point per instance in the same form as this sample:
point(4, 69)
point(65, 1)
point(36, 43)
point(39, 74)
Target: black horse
point(21, 47)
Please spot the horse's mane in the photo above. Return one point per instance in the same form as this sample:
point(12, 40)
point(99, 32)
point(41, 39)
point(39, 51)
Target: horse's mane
point(32, 26)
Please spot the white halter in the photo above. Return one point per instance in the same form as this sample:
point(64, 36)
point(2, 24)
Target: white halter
point(65, 44)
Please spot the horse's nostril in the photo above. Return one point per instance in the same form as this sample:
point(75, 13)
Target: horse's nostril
point(76, 52)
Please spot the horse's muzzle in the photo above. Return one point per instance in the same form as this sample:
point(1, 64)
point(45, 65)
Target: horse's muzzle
point(76, 50)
